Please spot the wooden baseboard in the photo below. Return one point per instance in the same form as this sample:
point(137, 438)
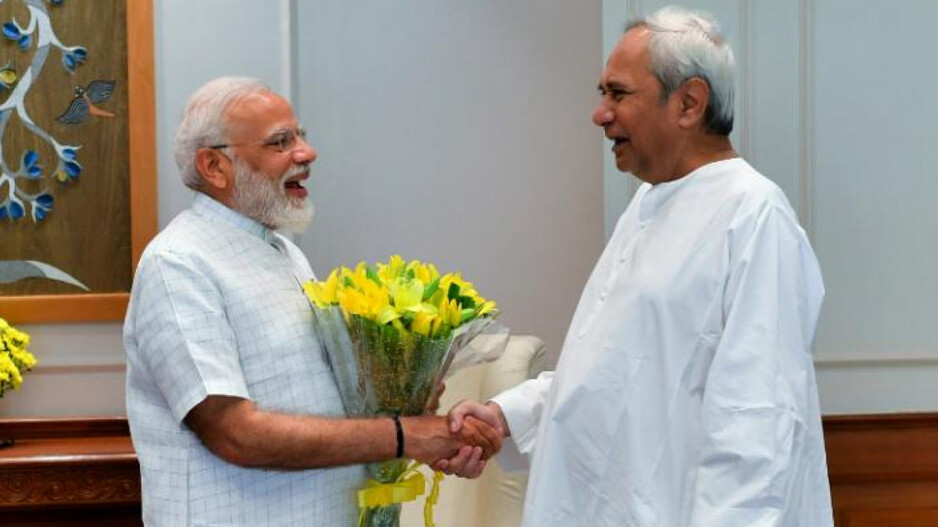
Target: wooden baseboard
point(883, 469)
point(68, 472)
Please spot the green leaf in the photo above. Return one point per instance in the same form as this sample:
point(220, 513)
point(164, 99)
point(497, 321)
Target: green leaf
point(466, 302)
point(467, 315)
point(453, 292)
point(432, 288)
point(372, 275)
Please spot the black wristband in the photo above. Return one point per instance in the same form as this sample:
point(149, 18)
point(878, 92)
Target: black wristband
point(400, 436)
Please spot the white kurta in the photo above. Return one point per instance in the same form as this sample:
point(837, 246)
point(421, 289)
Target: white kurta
point(685, 394)
point(217, 309)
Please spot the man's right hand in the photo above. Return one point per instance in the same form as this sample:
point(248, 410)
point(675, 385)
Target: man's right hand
point(489, 413)
point(467, 415)
point(429, 438)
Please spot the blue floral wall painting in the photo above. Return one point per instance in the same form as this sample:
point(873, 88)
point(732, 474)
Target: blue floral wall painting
point(67, 228)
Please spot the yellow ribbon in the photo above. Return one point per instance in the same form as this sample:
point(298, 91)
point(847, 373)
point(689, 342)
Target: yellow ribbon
point(432, 499)
point(384, 494)
point(410, 484)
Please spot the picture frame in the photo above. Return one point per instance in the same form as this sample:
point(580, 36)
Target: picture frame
point(139, 199)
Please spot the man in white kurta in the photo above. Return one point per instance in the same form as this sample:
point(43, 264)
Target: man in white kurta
point(217, 309)
point(685, 393)
point(233, 409)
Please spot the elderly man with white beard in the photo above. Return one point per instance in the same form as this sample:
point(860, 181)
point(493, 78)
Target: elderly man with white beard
point(234, 412)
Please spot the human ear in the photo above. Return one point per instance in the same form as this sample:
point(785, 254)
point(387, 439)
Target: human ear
point(694, 96)
point(213, 167)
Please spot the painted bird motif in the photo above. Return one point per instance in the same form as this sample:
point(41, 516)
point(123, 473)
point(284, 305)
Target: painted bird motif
point(83, 103)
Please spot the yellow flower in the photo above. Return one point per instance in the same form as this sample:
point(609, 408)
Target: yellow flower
point(451, 313)
point(406, 293)
point(387, 315)
point(362, 302)
point(411, 296)
point(395, 268)
point(323, 293)
point(25, 358)
point(15, 359)
point(9, 373)
point(486, 307)
point(423, 323)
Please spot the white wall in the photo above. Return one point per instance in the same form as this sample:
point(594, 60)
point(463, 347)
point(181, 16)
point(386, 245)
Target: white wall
point(81, 370)
point(834, 103)
point(458, 133)
point(444, 134)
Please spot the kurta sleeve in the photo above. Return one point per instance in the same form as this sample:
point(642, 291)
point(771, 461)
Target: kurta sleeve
point(183, 334)
point(522, 406)
point(759, 403)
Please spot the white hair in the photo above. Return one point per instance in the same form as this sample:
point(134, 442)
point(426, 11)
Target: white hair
point(686, 44)
point(204, 121)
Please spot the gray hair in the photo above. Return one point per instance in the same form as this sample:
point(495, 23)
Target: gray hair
point(686, 44)
point(204, 121)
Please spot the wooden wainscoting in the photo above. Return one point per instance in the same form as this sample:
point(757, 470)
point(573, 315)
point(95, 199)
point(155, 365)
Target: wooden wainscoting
point(75, 472)
point(883, 469)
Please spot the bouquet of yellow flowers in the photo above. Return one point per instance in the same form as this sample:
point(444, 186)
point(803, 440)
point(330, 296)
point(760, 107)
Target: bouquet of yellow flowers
point(14, 358)
point(391, 331)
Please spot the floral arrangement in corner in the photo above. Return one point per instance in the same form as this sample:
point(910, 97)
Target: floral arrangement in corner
point(15, 359)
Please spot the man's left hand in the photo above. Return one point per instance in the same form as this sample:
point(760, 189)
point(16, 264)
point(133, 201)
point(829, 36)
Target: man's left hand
point(482, 441)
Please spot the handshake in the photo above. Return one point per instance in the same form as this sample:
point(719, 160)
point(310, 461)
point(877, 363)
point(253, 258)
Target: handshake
point(459, 443)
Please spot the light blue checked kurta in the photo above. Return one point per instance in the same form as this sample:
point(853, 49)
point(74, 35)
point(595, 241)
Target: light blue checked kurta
point(217, 309)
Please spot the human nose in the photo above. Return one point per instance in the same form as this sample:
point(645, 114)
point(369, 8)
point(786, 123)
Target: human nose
point(303, 151)
point(602, 115)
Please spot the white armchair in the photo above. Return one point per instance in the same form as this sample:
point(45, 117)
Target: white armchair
point(496, 498)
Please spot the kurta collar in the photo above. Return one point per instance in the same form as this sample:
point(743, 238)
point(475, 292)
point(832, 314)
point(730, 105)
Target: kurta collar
point(208, 207)
point(658, 196)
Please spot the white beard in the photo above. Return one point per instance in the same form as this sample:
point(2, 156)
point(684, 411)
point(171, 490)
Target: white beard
point(264, 199)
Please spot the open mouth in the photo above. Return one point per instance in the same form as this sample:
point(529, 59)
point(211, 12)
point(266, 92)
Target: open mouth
point(618, 142)
point(294, 186)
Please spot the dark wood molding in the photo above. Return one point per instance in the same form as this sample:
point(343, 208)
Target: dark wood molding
point(68, 472)
point(883, 469)
point(881, 448)
point(75, 485)
point(840, 423)
point(64, 427)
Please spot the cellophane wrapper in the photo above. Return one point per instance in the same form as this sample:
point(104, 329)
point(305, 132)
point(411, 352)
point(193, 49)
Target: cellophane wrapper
point(383, 371)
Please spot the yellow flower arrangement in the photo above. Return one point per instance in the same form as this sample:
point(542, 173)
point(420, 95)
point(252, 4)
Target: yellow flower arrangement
point(15, 359)
point(412, 297)
point(391, 331)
